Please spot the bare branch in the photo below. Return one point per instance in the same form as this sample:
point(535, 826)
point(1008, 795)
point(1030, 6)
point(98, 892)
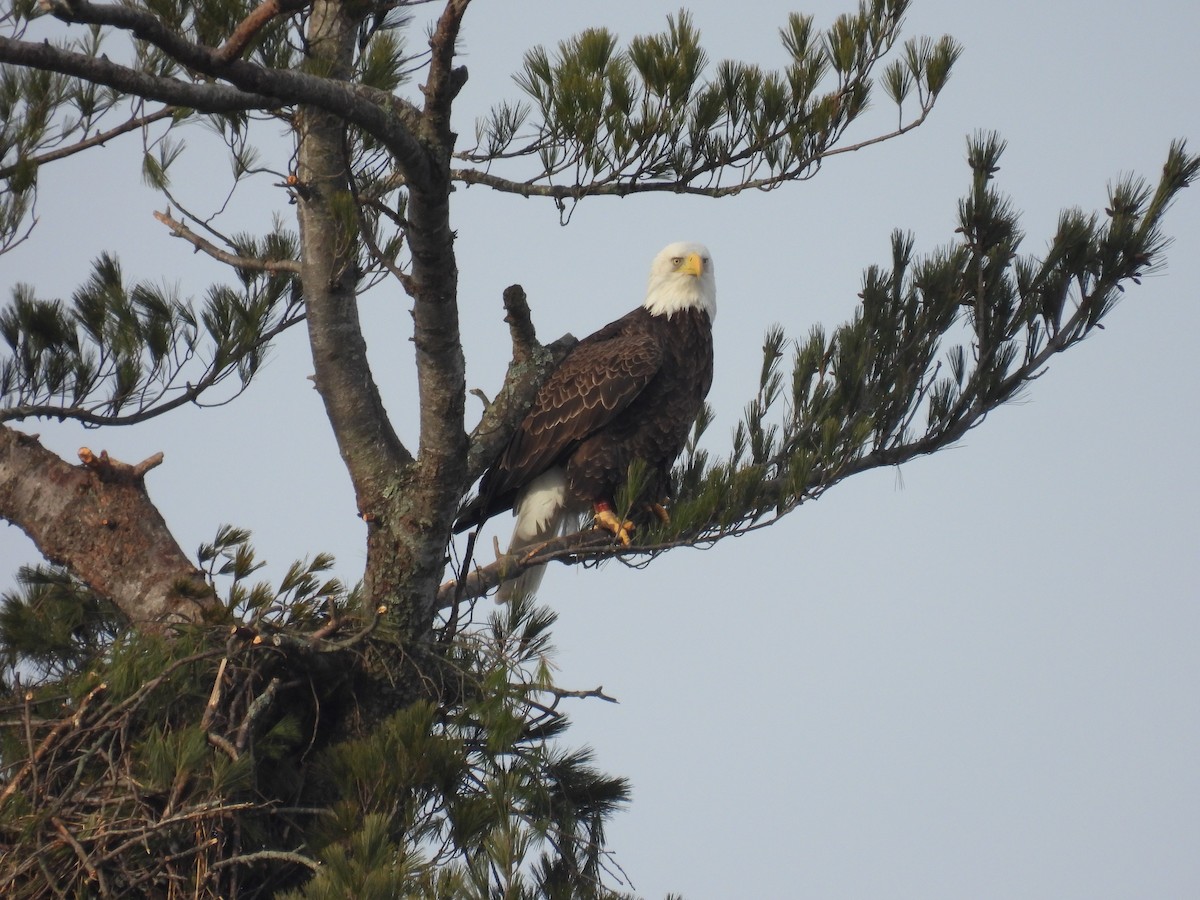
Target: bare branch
point(370, 448)
point(65, 723)
point(270, 266)
point(263, 855)
point(444, 81)
point(113, 469)
point(520, 325)
point(81, 854)
point(591, 544)
point(596, 692)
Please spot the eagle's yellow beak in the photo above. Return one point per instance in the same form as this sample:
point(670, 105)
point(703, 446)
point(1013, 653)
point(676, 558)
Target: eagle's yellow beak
point(692, 265)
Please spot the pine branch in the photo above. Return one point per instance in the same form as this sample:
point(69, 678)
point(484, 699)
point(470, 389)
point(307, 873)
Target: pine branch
point(643, 119)
point(95, 140)
point(856, 396)
point(390, 119)
point(209, 98)
point(625, 183)
point(149, 406)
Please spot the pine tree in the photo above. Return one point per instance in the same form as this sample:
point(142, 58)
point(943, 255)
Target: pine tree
point(173, 726)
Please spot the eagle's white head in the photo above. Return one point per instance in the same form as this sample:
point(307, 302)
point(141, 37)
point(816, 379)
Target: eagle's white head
point(682, 277)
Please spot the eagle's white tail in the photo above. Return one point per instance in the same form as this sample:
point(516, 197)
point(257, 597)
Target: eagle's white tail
point(541, 512)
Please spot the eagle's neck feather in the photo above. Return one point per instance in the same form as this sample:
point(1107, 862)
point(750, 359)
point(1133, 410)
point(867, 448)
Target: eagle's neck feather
point(668, 296)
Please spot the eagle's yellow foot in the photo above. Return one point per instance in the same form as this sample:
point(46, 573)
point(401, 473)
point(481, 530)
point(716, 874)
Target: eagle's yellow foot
point(660, 512)
point(610, 522)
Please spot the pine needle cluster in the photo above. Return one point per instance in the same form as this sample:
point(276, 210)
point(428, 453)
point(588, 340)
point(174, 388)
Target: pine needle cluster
point(121, 354)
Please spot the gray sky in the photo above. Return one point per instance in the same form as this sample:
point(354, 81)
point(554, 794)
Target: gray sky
point(974, 677)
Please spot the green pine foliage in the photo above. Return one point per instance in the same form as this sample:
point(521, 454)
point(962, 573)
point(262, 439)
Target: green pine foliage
point(937, 343)
point(51, 625)
point(41, 112)
point(613, 120)
point(234, 760)
point(120, 353)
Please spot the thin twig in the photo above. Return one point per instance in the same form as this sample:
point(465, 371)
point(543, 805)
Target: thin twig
point(260, 855)
point(597, 692)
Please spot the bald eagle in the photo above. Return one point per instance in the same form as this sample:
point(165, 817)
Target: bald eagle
point(631, 391)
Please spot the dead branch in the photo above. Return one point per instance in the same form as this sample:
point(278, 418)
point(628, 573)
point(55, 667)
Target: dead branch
point(214, 698)
point(258, 706)
point(98, 520)
point(587, 544)
point(223, 745)
point(254, 264)
point(597, 692)
point(531, 365)
point(520, 324)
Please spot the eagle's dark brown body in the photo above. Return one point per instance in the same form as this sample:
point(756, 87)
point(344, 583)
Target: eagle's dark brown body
point(629, 391)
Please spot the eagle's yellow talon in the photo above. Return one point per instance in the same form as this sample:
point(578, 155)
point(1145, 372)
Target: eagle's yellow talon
point(660, 512)
point(620, 529)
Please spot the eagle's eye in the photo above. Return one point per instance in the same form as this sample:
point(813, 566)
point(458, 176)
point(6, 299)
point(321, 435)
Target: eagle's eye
point(676, 261)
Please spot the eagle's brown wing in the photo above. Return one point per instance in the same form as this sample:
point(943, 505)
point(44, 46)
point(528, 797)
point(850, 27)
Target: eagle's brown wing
point(597, 380)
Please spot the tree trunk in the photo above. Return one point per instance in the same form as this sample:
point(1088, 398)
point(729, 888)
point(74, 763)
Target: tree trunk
point(408, 503)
